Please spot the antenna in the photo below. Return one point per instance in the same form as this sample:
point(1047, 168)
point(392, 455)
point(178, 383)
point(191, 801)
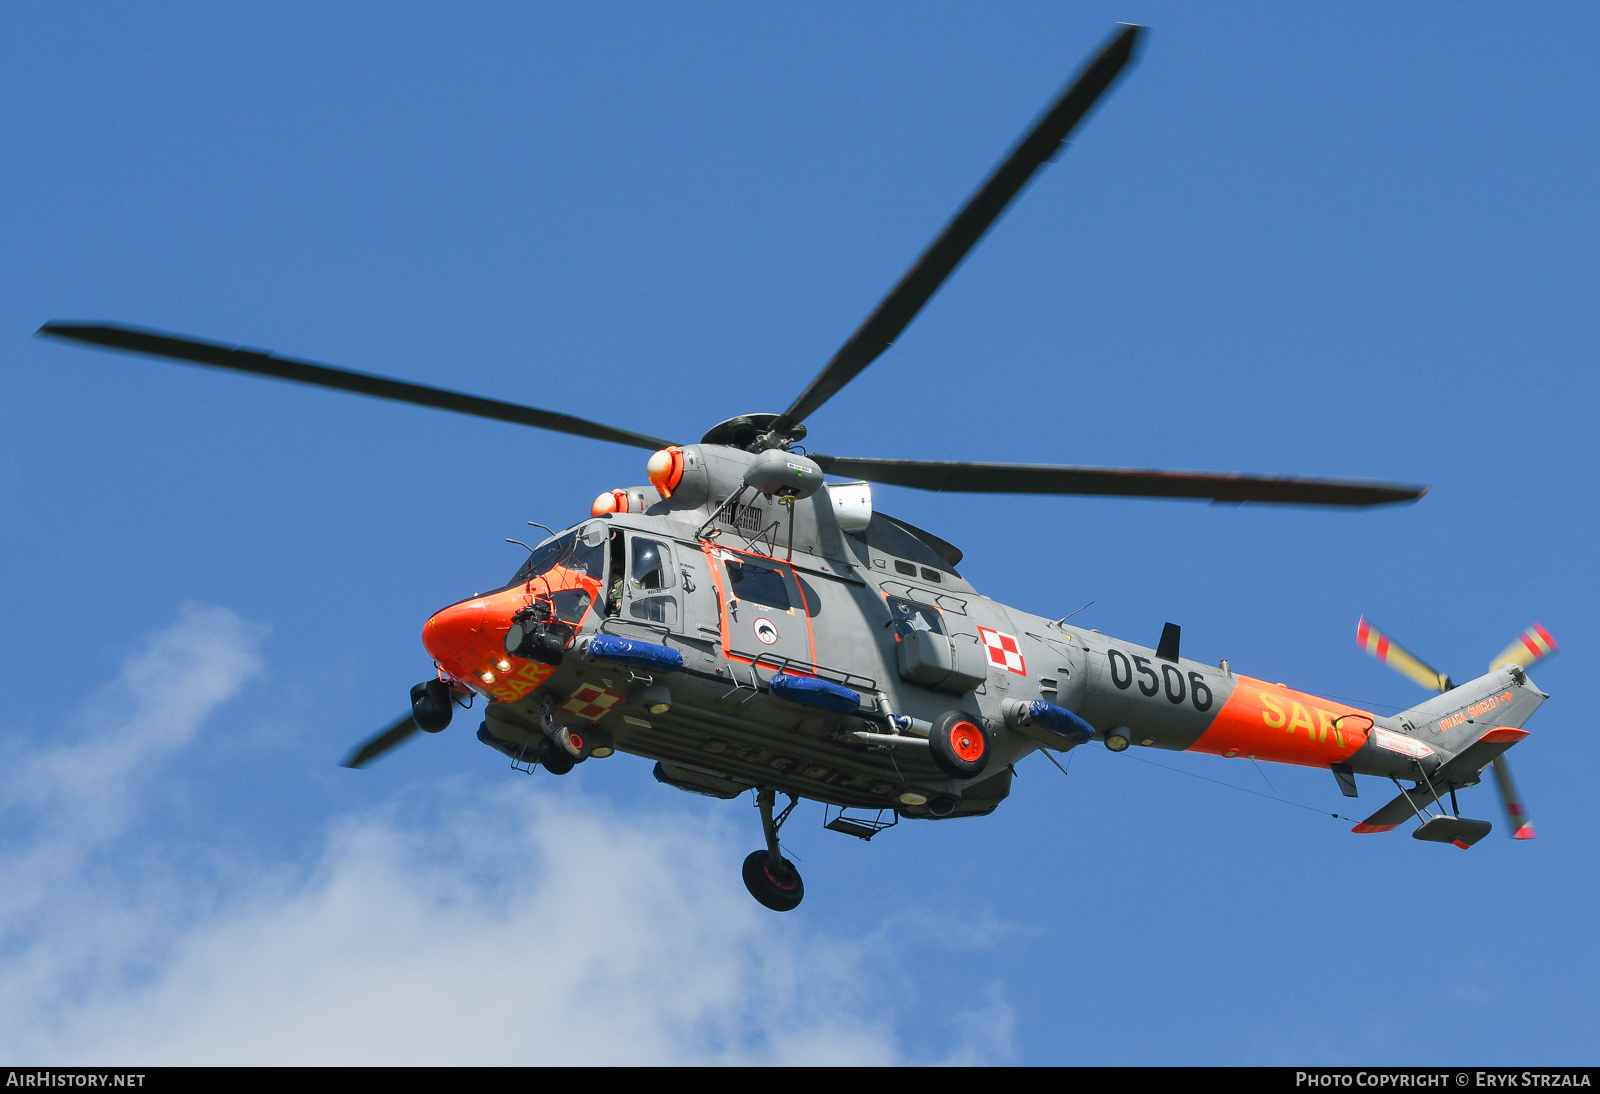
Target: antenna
point(1069, 615)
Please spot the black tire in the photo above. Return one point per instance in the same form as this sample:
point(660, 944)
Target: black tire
point(781, 894)
point(430, 705)
point(553, 758)
point(959, 744)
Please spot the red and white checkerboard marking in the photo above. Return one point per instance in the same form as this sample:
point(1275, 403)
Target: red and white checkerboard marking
point(590, 702)
point(1003, 650)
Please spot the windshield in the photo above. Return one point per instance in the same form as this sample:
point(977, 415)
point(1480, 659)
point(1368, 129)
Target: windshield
point(565, 573)
point(566, 552)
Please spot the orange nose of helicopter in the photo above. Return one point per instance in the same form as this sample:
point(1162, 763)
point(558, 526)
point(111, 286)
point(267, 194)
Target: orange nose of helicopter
point(468, 639)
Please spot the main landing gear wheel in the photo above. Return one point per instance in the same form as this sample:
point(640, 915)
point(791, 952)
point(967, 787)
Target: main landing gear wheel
point(779, 889)
point(553, 758)
point(771, 878)
point(959, 745)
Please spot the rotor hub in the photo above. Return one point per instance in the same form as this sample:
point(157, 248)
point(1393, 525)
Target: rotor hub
point(753, 433)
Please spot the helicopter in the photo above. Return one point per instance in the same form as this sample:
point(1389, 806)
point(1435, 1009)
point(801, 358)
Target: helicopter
point(751, 623)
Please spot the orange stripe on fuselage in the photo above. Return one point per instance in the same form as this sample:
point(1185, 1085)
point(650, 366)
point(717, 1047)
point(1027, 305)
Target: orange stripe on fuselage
point(1272, 722)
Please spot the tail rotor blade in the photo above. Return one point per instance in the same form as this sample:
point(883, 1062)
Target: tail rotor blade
point(1516, 813)
point(1531, 644)
point(1379, 645)
point(391, 736)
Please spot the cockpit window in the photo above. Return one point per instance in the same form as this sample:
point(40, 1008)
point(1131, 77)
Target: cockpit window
point(571, 604)
point(565, 551)
point(917, 617)
point(652, 567)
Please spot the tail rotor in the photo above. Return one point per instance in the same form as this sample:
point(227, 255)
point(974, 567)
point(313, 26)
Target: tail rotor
point(1531, 645)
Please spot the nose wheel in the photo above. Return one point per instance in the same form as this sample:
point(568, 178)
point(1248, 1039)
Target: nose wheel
point(771, 878)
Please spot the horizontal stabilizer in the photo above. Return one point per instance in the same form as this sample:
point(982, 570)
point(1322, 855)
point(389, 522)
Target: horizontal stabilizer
point(1457, 830)
point(1463, 767)
point(1390, 816)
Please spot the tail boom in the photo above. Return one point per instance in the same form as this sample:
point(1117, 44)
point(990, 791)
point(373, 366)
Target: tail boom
point(1265, 721)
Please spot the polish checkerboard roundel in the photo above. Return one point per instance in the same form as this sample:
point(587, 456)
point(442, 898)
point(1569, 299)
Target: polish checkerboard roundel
point(1003, 650)
point(590, 702)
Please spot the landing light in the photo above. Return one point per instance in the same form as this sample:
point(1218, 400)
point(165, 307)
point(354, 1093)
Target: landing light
point(1118, 740)
point(656, 699)
point(503, 666)
point(911, 797)
point(486, 676)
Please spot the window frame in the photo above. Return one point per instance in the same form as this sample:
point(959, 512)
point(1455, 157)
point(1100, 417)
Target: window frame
point(668, 564)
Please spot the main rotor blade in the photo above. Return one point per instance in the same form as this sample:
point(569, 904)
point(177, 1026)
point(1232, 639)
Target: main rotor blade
point(920, 282)
point(391, 736)
point(1391, 653)
point(216, 355)
point(1516, 813)
point(1024, 478)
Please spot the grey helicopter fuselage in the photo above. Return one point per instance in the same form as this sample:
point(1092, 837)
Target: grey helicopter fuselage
point(746, 585)
point(748, 625)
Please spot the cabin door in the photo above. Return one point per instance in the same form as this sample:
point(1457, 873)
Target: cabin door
point(765, 616)
point(652, 591)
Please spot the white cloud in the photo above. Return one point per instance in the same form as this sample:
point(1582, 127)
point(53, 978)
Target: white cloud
point(69, 799)
point(156, 705)
point(519, 926)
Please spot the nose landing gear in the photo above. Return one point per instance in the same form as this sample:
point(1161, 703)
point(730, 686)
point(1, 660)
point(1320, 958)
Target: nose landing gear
point(771, 878)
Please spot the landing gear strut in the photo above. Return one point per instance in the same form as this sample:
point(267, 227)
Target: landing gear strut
point(771, 878)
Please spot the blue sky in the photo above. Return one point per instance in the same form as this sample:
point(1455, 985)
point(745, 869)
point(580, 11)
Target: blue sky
point(1356, 241)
